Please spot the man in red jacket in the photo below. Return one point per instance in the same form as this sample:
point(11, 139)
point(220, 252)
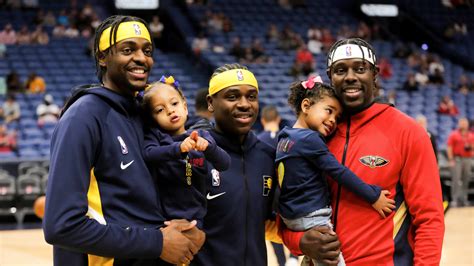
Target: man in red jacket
point(384, 147)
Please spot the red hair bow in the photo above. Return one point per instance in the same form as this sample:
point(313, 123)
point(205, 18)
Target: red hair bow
point(309, 84)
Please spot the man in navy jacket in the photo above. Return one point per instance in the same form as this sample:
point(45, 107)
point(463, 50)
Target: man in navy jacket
point(102, 207)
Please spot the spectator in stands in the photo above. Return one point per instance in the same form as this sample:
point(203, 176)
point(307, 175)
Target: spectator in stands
point(23, 36)
point(315, 46)
point(270, 120)
point(100, 211)
point(200, 44)
point(364, 31)
point(59, 31)
point(435, 69)
point(401, 50)
point(314, 32)
point(447, 106)
point(392, 97)
point(14, 84)
point(460, 150)
point(63, 18)
point(156, 30)
point(289, 39)
point(8, 35)
point(345, 31)
point(327, 38)
point(237, 49)
point(423, 122)
point(304, 63)
point(47, 111)
point(227, 25)
point(395, 165)
point(39, 36)
point(35, 83)
point(385, 68)
point(410, 84)
point(49, 19)
point(258, 52)
point(203, 118)
point(7, 139)
point(464, 85)
point(10, 110)
point(71, 31)
point(273, 33)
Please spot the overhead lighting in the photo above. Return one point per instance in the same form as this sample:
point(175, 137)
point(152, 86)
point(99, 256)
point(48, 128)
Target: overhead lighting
point(379, 10)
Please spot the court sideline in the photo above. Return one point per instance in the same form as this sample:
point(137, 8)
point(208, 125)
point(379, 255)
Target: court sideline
point(27, 247)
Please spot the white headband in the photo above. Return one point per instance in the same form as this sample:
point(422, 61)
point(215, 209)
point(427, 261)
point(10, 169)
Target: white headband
point(350, 51)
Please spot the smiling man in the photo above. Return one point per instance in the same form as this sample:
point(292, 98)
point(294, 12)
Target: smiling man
point(102, 207)
point(238, 199)
point(385, 147)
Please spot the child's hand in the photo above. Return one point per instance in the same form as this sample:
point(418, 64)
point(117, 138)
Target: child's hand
point(201, 144)
point(187, 144)
point(383, 204)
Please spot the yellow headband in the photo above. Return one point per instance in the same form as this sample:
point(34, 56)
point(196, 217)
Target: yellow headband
point(231, 77)
point(129, 29)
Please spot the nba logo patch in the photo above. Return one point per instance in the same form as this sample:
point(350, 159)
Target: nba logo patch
point(216, 179)
point(348, 51)
point(267, 184)
point(137, 29)
point(123, 147)
point(240, 75)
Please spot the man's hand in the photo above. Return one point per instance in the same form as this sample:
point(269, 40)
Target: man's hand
point(177, 248)
point(321, 243)
point(194, 234)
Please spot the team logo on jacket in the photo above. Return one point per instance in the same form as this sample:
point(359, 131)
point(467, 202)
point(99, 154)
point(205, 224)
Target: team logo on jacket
point(267, 184)
point(123, 146)
point(373, 161)
point(216, 179)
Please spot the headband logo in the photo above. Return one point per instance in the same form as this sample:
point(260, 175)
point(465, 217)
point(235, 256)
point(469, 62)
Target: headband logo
point(240, 75)
point(137, 29)
point(348, 51)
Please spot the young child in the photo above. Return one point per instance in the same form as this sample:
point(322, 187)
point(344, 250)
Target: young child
point(303, 160)
point(179, 159)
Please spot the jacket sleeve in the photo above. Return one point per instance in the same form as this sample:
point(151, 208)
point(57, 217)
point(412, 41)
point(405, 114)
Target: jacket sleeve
point(320, 156)
point(215, 154)
point(290, 238)
point(155, 151)
point(74, 145)
point(422, 189)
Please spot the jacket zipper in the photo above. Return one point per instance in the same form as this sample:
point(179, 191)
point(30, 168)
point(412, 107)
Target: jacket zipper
point(246, 204)
point(343, 161)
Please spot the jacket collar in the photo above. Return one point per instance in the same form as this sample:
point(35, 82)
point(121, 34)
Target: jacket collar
point(232, 144)
point(125, 105)
point(362, 118)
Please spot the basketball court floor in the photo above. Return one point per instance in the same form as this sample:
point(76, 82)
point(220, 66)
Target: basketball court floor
point(27, 247)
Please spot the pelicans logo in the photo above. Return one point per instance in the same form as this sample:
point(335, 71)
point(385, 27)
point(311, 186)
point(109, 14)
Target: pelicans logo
point(373, 161)
point(267, 184)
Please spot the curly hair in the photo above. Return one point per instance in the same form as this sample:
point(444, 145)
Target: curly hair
point(298, 93)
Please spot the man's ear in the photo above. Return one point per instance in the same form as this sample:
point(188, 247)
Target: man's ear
point(102, 59)
point(210, 107)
